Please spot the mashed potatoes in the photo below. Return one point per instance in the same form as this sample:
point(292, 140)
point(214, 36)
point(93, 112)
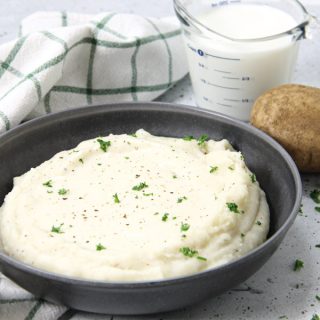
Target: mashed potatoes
point(135, 207)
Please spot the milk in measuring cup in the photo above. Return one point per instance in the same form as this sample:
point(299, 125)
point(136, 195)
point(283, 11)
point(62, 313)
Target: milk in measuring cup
point(228, 75)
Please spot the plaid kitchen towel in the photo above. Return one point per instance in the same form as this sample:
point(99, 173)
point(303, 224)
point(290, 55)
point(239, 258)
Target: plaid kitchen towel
point(18, 304)
point(62, 61)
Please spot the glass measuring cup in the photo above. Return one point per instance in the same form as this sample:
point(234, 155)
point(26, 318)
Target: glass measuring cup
point(229, 73)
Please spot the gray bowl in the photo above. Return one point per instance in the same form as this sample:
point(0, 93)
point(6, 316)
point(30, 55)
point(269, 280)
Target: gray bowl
point(36, 141)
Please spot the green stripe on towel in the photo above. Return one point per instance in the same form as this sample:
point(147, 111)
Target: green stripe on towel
point(5, 120)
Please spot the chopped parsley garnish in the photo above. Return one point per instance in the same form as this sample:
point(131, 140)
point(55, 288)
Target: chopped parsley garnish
point(100, 247)
point(202, 140)
point(233, 207)
point(140, 186)
point(174, 177)
point(181, 199)
point(315, 195)
point(191, 253)
point(104, 145)
point(186, 251)
point(49, 191)
point(253, 178)
point(315, 317)
point(283, 317)
point(300, 209)
point(133, 135)
point(317, 245)
point(48, 184)
point(259, 223)
point(185, 227)
point(165, 217)
point(148, 194)
point(62, 191)
point(213, 169)
point(116, 198)
point(57, 229)
point(81, 160)
point(317, 209)
point(298, 265)
point(188, 138)
point(318, 297)
point(201, 258)
point(242, 235)
point(231, 167)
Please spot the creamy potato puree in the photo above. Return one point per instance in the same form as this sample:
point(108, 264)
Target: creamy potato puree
point(135, 207)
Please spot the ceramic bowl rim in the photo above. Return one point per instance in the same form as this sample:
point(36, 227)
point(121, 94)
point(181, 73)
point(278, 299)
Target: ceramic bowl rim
point(155, 107)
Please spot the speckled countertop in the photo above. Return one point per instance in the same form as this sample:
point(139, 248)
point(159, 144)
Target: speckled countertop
point(276, 291)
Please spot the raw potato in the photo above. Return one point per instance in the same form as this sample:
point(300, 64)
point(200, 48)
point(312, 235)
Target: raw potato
point(291, 115)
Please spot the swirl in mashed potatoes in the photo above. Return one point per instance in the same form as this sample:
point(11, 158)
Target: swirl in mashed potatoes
point(135, 207)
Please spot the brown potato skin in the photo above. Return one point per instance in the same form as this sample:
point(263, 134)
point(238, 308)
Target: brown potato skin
point(291, 115)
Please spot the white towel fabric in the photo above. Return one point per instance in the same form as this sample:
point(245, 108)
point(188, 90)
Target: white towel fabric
point(18, 304)
point(63, 61)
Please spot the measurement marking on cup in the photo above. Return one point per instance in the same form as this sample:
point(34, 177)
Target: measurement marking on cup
point(231, 78)
point(224, 58)
point(244, 100)
point(228, 88)
point(232, 100)
point(224, 105)
point(201, 53)
point(222, 71)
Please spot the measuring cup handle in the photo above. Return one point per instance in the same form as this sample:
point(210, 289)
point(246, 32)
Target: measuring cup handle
point(313, 27)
